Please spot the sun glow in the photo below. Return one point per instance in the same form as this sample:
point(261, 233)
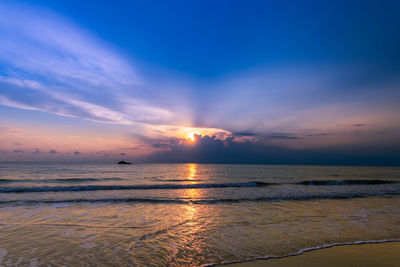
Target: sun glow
point(191, 136)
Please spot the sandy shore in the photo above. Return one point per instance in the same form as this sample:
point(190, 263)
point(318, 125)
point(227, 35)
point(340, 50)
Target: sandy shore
point(384, 254)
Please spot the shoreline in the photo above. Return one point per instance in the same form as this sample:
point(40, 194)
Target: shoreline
point(360, 253)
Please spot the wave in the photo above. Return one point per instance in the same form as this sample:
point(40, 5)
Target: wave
point(179, 180)
point(302, 251)
point(59, 180)
point(161, 186)
point(202, 201)
point(347, 182)
point(125, 187)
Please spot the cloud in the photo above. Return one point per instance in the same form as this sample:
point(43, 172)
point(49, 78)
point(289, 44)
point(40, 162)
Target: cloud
point(209, 149)
point(52, 151)
point(287, 98)
point(158, 143)
point(318, 134)
point(283, 136)
point(5, 129)
point(244, 134)
point(18, 151)
point(36, 151)
point(72, 74)
point(77, 153)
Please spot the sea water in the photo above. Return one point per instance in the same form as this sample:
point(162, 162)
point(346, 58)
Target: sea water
point(188, 214)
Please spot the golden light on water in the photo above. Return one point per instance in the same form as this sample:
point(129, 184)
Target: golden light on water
point(193, 215)
point(192, 193)
point(192, 169)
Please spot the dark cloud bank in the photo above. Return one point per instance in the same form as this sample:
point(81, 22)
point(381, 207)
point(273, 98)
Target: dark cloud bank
point(208, 149)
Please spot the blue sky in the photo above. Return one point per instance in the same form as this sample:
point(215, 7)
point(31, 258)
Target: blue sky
point(137, 77)
point(210, 38)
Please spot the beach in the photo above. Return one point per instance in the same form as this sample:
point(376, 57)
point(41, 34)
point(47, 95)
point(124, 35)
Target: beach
point(383, 254)
point(199, 133)
point(195, 214)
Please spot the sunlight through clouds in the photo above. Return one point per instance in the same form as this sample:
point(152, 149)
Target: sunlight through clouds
point(147, 88)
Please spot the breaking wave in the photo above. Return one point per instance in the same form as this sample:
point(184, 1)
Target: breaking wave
point(125, 187)
point(59, 180)
point(204, 201)
point(347, 182)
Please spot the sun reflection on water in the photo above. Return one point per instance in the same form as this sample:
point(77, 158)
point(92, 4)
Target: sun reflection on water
point(192, 193)
point(193, 214)
point(192, 169)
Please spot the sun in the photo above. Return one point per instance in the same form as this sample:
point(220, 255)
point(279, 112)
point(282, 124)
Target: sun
point(191, 136)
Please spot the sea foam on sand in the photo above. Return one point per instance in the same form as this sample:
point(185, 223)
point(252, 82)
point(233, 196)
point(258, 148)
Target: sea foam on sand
point(375, 254)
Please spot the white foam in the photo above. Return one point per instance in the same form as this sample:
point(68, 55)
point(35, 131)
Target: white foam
point(33, 262)
point(3, 253)
point(301, 251)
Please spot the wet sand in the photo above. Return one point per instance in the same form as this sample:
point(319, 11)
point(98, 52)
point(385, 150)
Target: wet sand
point(384, 254)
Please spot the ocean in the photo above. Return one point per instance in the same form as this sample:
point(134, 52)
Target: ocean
point(65, 214)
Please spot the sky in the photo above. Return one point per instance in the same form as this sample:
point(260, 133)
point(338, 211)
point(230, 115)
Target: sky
point(286, 82)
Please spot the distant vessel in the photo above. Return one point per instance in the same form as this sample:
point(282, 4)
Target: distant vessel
point(123, 162)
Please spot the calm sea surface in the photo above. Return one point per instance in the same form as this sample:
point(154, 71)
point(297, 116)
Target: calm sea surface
point(188, 214)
